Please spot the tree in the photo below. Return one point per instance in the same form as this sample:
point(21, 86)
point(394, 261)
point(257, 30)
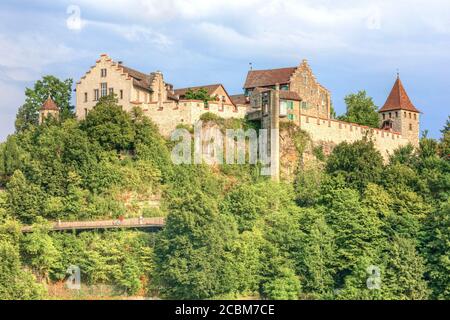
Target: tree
point(361, 110)
point(445, 140)
point(193, 258)
point(111, 126)
point(285, 286)
point(316, 255)
point(24, 199)
point(437, 250)
point(13, 158)
point(357, 231)
point(199, 94)
point(404, 271)
point(15, 282)
point(359, 163)
point(39, 251)
point(59, 90)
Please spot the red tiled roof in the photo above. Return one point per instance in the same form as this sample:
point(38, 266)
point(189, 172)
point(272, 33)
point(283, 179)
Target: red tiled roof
point(264, 78)
point(49, 104)
point(209, 88)
point(239, 99)
point(289, 95)
point(398, 99)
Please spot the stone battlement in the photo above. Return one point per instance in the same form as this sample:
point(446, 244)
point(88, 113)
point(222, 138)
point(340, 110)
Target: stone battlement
point(334, 132)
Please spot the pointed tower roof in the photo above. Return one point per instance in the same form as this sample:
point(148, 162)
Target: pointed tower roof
point(398, 99)
point(49, 104)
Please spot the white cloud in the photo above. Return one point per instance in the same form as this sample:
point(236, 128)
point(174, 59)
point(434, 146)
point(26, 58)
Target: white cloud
point(294, 26)
point(134, 33)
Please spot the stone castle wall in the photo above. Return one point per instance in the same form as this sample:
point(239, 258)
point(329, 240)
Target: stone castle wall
point(328, 133)
point(187, 112)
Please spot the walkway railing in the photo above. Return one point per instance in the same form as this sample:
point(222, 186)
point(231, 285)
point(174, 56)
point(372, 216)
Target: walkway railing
point(157, 223)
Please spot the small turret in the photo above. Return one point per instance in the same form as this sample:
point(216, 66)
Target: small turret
point(400, 115)
point(48, 109)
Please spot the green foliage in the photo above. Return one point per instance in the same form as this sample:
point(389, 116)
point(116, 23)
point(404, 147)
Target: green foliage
point(437, 249)
point(108, 124)
point(23, 198)
point(359, 163)
point(59, 90)
point(248, 202)
point(15, 282)
point(318, 153)
point(119, 258)
point(316, 255)
point(193, 259)
point(286, 286)
point(361, 110)
point(404, 271)
point(199, 94)
point(211, 117)
point(39, 251)
point(357, 229)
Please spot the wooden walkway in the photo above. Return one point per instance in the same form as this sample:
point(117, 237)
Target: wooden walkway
point(156, 223)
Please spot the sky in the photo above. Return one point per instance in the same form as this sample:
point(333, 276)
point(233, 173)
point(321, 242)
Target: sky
point(351, 45)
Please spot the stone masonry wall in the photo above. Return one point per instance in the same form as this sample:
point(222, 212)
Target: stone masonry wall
point(329, 132)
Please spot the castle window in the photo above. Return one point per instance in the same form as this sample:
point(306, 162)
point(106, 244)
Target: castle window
point(384, 116)
point(410, 127)
point(85, 97)
point(304, 105)
point(396, 114)
point(103, 73)
point(291, 117)
point(96, 95)
point(415, 116)
point(104, 89)
point(410, 115)
point(85, 112)
point(121, 94)
point(111, 91)
point(390, 115)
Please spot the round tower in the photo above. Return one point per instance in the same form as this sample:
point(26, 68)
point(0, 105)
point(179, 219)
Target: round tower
point(400, 115)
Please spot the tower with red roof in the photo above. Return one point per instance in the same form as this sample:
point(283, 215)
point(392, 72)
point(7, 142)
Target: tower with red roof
point(400, 115)
point(48, 109)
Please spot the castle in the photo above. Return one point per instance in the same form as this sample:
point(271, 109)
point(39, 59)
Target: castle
point(270, 96)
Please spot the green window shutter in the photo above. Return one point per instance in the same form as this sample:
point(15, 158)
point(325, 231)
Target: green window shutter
point(291, 105)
